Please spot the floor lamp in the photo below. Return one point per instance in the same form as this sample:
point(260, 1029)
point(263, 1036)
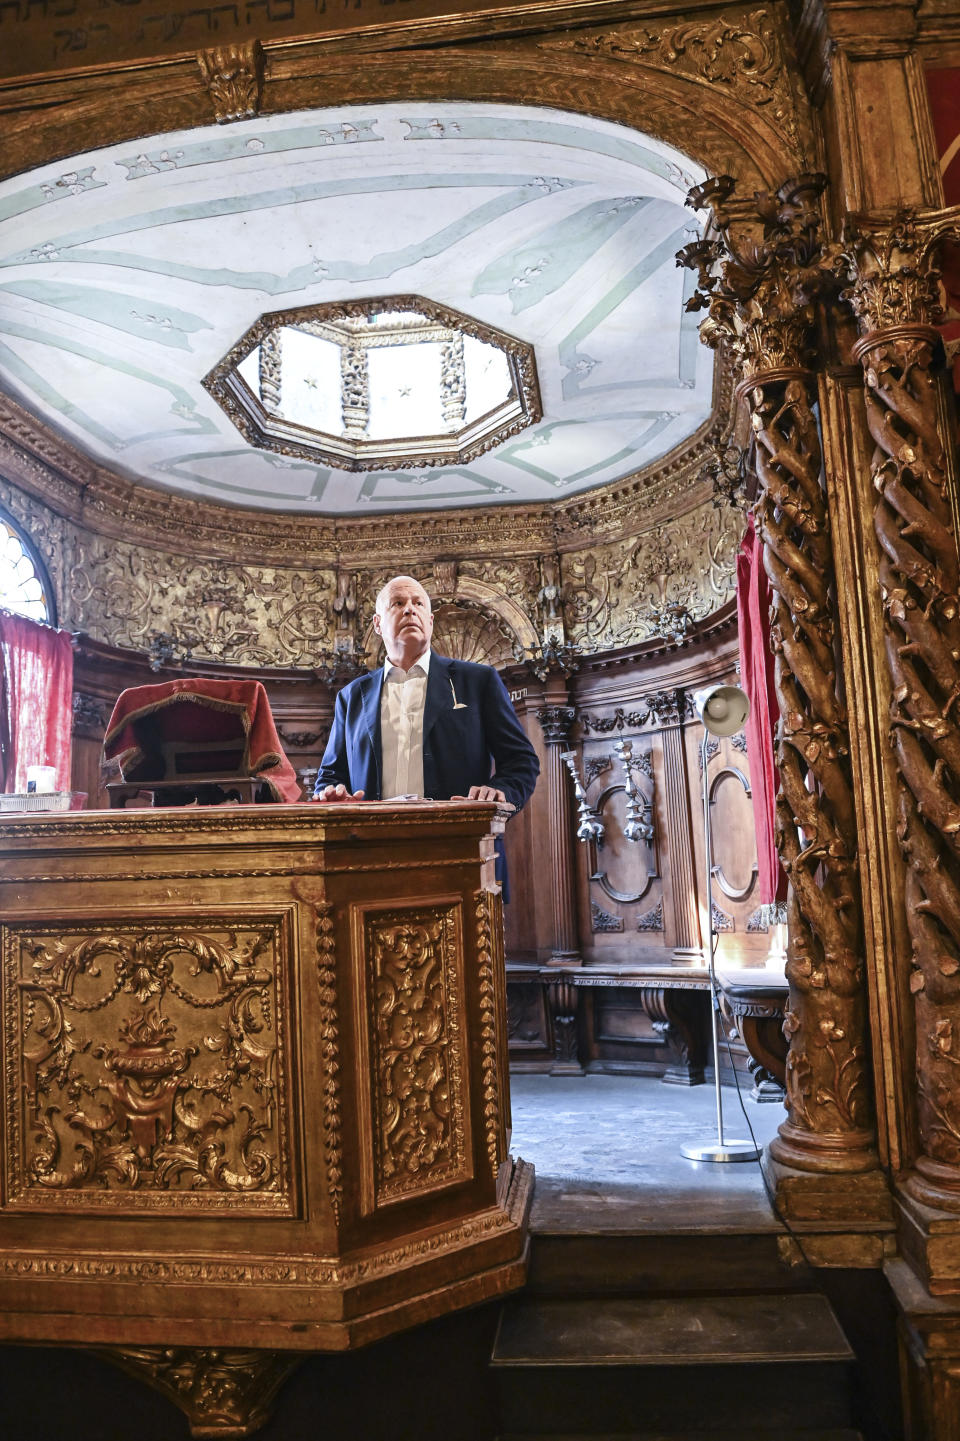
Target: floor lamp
point(722, 710)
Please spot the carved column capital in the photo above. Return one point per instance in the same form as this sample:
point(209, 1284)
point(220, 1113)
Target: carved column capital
point(669, 707)
point(760, 272)
point(895, 270)
point(556, 722)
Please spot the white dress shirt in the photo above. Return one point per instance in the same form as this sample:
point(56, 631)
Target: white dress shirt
point(402, 702)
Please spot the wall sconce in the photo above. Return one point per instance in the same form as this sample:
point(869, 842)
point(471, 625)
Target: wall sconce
point(552, 656)
point(673, 622)
point(340, 665)
point(590, 826)
point(167, 650)
point(637, 826)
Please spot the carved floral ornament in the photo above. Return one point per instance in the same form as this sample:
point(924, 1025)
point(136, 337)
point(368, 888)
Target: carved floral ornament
point(742, 56)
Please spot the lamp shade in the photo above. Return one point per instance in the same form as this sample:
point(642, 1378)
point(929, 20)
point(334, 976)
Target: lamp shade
point(722, 709)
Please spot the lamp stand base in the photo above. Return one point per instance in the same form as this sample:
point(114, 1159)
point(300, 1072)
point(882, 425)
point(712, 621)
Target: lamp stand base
point(727, 1151)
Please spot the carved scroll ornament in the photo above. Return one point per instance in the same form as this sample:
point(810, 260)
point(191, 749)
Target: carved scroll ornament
point(417, 1048)
point(759, 295)
point(895, 273)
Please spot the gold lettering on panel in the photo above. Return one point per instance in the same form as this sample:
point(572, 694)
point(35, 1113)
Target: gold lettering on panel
point(144, 1066)
point(417, 1050)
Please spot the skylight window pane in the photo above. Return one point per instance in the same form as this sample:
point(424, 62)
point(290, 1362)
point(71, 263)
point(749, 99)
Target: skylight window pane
point(405, 391)
point(249, 369)
point(310, 391)
point(488, 377)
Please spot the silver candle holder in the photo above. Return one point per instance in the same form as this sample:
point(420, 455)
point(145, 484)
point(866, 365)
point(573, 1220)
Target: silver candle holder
point(590, 826)
point(637, 826)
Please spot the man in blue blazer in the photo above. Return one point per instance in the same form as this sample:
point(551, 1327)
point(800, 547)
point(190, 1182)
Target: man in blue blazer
point(424, 724)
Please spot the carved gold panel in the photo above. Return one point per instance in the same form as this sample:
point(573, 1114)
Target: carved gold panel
point(414, 1013)
point(145, 1065)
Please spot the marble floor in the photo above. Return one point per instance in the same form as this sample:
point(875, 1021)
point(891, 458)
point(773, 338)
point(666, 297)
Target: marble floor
point(607, 1154)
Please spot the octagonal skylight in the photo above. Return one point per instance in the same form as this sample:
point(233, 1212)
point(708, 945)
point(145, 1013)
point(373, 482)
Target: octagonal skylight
point(373, 384)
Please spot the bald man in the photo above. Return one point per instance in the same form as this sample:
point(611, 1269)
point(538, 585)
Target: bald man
point(424, 724)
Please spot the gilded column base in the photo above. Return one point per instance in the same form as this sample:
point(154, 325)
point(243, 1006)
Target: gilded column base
point(831, 1153)
point(222, 1393)
point(929, 1231)
point(859, 1204)
point(929, 1337)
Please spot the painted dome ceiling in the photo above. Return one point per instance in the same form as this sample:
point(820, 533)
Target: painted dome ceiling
point(128, 275)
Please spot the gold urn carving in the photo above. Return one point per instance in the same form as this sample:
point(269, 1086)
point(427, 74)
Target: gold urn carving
point(145, 1067)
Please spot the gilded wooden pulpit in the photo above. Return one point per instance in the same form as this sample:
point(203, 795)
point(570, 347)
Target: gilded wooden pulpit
point(254, 1087)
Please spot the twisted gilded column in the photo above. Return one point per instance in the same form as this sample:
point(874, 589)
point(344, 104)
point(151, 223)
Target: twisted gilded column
point(894, 269)
point(760, 293)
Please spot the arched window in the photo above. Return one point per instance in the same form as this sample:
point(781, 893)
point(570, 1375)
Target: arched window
point(24, 587)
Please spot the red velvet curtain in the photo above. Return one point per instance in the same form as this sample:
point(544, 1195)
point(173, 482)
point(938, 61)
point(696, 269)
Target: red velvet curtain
point(756, 676)
point(36, 701)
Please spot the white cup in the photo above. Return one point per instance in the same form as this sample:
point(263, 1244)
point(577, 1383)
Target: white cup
point(44, 778)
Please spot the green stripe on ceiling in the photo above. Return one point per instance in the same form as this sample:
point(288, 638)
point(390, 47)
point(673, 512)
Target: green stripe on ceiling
point(177, 466)
point(567, 349)
point(242, 145)
point(14, 365)
point(659, 420)
point(420, 489)
point(547, 261)
point(162, 324)
point(183, 401)
point(472, 126)
point(522, 192)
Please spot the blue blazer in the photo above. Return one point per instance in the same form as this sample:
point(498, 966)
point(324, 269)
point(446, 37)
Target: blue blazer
point(471, 736)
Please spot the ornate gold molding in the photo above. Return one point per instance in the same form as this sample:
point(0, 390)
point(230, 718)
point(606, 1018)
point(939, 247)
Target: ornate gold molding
point(488, 1031)
point(741, 53)
point(330, 1054)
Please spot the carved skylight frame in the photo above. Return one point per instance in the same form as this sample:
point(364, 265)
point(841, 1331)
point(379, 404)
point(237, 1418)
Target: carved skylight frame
point(272, 432)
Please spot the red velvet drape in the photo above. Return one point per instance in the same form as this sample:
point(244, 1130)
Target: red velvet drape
point(36, 701)
point(756, 676)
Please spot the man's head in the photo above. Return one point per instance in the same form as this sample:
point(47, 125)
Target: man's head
point(404, 619)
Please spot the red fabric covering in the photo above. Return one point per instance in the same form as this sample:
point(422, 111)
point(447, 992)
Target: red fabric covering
point(191, 729)
point(36, 700)
point(756, 675)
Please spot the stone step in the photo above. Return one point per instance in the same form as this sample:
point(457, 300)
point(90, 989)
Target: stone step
point(764, 1434)
point(660, 1264)
point(734, 1362)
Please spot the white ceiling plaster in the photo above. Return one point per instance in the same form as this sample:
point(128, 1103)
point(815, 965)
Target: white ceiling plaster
point(126, 274)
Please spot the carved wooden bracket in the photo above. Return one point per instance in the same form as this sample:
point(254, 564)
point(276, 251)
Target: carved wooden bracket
point(233, 75)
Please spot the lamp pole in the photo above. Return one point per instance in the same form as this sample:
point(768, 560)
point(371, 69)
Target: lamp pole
point(722, 710)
